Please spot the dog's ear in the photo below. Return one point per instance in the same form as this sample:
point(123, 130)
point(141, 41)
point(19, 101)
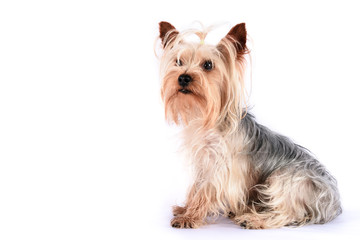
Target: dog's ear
point(167, 33)
point(237, 37)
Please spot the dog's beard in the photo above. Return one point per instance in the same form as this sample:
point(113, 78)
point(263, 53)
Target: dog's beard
point(200, 100)
point(182, 104)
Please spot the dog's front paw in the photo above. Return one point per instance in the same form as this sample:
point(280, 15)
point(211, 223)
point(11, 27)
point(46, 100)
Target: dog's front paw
point(184, 222)
point(249, 221)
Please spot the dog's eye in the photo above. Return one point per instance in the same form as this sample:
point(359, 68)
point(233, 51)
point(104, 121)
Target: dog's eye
point(179, 62)
point(208, 65)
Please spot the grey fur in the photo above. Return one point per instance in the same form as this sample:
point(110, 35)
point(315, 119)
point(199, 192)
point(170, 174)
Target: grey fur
point(270, 152)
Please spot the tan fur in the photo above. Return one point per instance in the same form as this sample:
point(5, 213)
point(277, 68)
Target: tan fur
point(283, 200)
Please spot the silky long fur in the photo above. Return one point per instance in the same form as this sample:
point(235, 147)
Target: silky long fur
point(241, 169)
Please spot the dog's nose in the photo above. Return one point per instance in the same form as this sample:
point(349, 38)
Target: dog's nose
point(184, 80)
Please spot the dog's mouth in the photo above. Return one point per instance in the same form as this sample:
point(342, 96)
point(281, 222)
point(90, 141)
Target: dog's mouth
point(185, 91)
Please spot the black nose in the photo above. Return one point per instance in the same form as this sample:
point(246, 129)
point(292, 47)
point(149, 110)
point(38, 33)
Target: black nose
point(184, 80)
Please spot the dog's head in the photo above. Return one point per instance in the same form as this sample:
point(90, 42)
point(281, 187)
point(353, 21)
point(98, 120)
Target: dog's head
point(200, 81)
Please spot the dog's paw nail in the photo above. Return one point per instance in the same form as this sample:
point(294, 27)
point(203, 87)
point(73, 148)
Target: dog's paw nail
point(231, 215)
point(176, 225)
point(243, 224)
point(183, 222)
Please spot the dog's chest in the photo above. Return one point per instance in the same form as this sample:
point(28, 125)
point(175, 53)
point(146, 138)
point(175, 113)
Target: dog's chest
point(208, 150)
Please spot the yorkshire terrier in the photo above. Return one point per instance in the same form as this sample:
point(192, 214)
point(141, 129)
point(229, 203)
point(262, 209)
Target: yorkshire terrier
point(242, 170)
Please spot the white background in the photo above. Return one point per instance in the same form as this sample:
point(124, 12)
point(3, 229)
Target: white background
point(85, 152)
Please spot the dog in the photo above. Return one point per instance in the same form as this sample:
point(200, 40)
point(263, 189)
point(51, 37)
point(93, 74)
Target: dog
point(242, 170)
